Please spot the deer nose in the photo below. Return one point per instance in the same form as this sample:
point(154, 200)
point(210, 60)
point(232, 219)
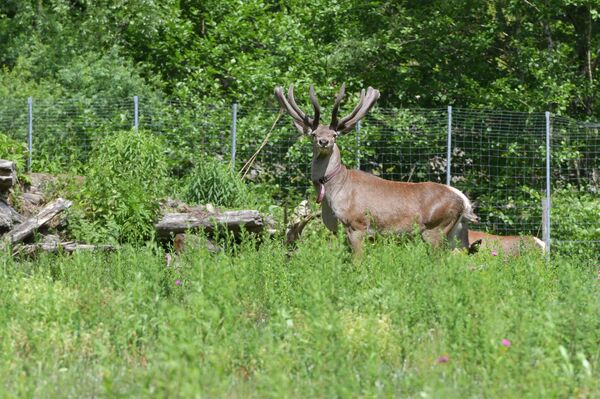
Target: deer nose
point(323, 142)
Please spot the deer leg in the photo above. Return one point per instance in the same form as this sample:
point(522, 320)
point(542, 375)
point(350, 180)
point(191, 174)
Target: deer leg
point(435, 236)
point(458, 236)
point(329, 219)
point(355, 239)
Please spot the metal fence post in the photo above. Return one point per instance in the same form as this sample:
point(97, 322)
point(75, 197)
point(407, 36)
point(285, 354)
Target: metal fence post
point(358, 145)
point(135, 113)
point(449, 149)
point(30, 132)
point(548, 202)
point(233, 134)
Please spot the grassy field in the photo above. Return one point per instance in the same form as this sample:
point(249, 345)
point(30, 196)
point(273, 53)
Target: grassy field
point(405, 321)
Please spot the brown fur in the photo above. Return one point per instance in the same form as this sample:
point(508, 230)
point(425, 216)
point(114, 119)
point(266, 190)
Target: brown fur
point(179, 243)
point(508, 245)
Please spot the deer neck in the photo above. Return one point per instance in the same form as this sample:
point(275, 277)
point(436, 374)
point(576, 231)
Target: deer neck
point(326, 169)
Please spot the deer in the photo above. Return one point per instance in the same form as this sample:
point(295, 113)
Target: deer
point(509, 245)
point(365, 204)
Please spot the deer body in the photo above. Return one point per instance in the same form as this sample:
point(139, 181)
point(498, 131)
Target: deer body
point(509, 245)
point(364, 203)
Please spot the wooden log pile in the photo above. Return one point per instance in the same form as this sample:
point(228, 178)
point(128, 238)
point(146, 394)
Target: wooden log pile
point(16, 228)
point(28, 226)
point(177, 218)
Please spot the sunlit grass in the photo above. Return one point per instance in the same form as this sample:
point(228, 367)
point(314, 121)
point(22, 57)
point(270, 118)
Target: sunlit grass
point(256, 322)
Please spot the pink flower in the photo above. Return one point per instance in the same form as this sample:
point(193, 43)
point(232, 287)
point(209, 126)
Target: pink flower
point(177, 282)
point(494, 253)
point(506, 342)
point(442, 359)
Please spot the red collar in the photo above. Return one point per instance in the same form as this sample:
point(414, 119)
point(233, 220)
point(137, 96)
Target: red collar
point(320, 183)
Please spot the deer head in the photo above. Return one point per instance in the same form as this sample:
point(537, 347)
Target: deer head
point(324, 136)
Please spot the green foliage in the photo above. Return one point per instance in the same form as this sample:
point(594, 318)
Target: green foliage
point(574, 221)
point(404, 322)
point(213, 182)
point(15, 151)
point(126, 178)
point(510, 54)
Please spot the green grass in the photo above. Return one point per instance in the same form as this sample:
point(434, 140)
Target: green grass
point(257, 323)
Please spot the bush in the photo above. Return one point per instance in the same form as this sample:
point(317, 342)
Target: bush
point(15, 151)
point(574, 221)
point(213, 182)
point(126, 178)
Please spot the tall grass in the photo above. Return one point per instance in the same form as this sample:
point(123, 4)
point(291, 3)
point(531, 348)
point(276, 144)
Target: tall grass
point(404, 321)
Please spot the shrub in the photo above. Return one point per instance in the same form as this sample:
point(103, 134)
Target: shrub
point(13, 150)
point(213, 182)
point(126, 178)
point(574, 221)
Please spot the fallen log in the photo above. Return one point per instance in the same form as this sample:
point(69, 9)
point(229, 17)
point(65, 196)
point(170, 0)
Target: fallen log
point(65, 246)
point(23, 230)
point(175, 223)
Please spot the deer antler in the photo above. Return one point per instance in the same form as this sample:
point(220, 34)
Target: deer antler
point(316, 106)
point(305, 119)
point(304, 123)
point(367, 100)
point(298, 117)
point(301, 120)
point(336, 106)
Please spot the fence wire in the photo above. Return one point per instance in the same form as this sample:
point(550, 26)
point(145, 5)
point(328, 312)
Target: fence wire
point(575, 176)
point(498, 158)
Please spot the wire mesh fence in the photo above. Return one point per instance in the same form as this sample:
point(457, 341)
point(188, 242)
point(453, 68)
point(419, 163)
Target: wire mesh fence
point(498, 158)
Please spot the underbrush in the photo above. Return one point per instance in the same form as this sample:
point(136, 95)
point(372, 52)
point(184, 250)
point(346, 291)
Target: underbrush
point(405, 321)
point(119, 198)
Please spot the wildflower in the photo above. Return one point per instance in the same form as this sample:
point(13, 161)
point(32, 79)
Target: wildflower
point(506, 342)
point(177, 282)
point(494, 253)
point(442, 359)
